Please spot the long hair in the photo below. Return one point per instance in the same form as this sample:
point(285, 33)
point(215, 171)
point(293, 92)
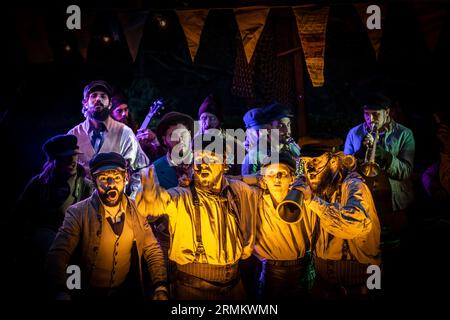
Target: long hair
point(47, 170)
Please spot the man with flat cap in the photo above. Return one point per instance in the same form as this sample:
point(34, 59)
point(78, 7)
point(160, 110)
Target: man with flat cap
point(279, 117)
point(100, 133)
point(41, 208)
point(107, 239)
point(394, 152)
point(256, 140)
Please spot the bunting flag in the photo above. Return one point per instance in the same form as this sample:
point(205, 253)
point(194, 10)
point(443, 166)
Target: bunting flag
point(34, 36)
point(251, 23)
point(374, 34)
point(84, 34)
point(192, 22)
point(312, 27)
point(133, 24)
point(431, 21)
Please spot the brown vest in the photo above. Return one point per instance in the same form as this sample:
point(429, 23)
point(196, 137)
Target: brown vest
point(114, 255)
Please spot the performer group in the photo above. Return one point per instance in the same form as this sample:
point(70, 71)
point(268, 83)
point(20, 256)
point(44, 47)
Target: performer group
point(190, 212)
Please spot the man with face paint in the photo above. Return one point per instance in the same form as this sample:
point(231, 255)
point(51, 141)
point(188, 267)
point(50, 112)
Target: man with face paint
point(394, 153)
point(211, 224)
point(281, 246)
point(101, 235)
point(345, 231)
point(100, 133)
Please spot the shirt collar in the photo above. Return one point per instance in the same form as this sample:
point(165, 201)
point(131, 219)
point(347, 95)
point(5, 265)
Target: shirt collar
point(107, 123)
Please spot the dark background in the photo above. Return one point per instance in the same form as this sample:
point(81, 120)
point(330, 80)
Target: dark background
point(38, 101)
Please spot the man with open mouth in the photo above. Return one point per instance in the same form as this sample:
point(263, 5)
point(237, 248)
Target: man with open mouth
point(211, 224)
point(102, 235)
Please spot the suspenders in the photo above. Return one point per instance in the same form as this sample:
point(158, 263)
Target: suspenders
point(200, 253)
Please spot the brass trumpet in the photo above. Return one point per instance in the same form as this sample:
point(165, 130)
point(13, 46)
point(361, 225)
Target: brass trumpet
point(369, 168)
point(290, 208)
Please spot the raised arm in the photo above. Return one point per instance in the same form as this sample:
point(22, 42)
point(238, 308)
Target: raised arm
point(347, 220)
point(152, 199)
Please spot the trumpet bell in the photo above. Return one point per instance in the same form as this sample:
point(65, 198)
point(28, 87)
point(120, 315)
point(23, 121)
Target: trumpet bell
point(290, 208)
point(370, 169)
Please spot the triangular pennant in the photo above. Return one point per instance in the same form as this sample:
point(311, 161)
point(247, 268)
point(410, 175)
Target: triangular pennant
point(251, 23)
point(374, 34)
point(133, 24)
point(34, 37)
point(431, 20)
point(84, 34)
point(312, 27)
point(192, 22)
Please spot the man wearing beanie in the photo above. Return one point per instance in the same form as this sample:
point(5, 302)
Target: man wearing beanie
point(99, 235)
point(100, 133)
point(120, 111)
point(210, 115)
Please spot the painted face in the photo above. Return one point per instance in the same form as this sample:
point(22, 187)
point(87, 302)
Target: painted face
point(278, 178)
point(377, 117)
point(110, 186)
point(284, 127)
point(208, 169)
point(318, 172)
point(98, 106)
point(121, 113)
point(67, 165)
point(208, 121)
point(178, 140)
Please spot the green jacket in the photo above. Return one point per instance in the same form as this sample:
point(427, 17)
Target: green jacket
point(399, 142)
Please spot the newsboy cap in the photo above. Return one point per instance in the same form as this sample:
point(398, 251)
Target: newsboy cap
point(255, 118)
point(107, 161)
point(97, 85)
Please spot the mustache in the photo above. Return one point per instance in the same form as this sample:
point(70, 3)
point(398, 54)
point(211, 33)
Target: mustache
point(107, 190)
point(199, 168)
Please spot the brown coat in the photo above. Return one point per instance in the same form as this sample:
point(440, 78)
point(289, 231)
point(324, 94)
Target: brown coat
point(78, 241)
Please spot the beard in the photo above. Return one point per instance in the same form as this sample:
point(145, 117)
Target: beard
point(322, 181)
point(205, 180)
point(111, 197)
point(100, 114)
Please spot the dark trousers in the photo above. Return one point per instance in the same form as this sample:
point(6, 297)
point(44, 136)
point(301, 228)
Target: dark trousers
point(340, 280)
point(283, 280)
